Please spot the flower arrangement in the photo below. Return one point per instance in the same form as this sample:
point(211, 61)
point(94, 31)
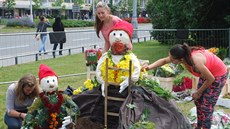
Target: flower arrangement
point(88, 85)
point(49, 110)
point(116, 76)
point(220, 52)
point(214, 50)
point(168, 70)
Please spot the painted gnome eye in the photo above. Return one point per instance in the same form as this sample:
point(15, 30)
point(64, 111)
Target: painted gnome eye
point(48, 81)
point(53, 80)
point(114, 34)
point(120, 34)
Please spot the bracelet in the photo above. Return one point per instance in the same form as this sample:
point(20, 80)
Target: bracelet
point(20, 115)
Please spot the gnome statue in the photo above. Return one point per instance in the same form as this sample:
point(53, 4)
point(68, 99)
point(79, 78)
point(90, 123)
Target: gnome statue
point(52, 107)
point(144, 107)
point(119, 56)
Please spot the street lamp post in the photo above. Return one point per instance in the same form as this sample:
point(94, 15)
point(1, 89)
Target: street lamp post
point(134, 18)
point(31, 11)
point(93, 11)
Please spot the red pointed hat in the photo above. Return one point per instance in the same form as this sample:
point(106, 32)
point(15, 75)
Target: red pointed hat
point(124, 25)
point(45, 71)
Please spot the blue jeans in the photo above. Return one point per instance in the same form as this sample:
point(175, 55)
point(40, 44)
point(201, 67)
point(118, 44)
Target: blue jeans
point(43, 40)
point(12, 122)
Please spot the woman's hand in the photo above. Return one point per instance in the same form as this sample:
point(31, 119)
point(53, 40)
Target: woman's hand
point(196, 95)
point(23, 115)
point(145, 67)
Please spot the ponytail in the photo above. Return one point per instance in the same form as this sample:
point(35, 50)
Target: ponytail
point(180, 51)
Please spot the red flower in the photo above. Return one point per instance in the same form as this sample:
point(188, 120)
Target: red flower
point(179, 88)
point(118, 48)
point(53, 108)
point(187, 82)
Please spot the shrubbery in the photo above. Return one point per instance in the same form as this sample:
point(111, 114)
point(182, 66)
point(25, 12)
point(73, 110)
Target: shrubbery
point(77, 23)
point(66, 22)
point(23, 22)
point(139, 20)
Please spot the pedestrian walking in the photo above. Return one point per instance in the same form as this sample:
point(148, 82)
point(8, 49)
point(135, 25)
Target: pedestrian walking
point(59, 34)
point(42, 27)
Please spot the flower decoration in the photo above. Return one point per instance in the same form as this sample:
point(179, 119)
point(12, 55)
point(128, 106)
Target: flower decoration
point(48, 111)
point(116, 76)
point(118, 48)
point(88, 85)
point(168, 70)
point(214, 50)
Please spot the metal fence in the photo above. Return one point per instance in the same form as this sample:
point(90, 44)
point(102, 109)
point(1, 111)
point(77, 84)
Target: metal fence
point(18, 48)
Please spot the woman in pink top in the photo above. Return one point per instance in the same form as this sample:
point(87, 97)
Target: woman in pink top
point(104, 22)
point(212, 72)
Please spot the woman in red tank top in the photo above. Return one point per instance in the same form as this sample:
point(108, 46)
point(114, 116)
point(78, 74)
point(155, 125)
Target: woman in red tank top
point(212, 72)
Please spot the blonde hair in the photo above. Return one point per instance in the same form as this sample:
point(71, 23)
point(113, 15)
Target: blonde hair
point(98, 22)
point(27, 80)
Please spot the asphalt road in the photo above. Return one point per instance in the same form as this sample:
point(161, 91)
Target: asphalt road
point(20, 44)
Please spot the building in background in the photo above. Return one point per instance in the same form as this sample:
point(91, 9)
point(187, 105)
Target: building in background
point(22, 8)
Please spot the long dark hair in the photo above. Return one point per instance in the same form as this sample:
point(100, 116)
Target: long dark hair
point(183, 51)
point(98, 23)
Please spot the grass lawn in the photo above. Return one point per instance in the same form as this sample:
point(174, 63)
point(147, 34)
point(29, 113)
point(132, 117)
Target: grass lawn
point(74, 64)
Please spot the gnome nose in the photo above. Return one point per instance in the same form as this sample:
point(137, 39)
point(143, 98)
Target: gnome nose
point(52, 83)
point(117, 38)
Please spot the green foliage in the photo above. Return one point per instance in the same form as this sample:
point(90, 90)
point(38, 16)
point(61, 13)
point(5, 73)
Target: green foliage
point(37, 4)
point(143, 123)
point(179, 78)
point(78, 2)
point(222, 53)
point(182, 14)
point(155, 87)
point(77, 23)
point(9, 4)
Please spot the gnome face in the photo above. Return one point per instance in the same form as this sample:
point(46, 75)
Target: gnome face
point(119, 41)
point(49, 83)
point(48, 78)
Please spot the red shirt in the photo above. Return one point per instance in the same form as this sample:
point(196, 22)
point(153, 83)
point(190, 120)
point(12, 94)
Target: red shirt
point(214, 64)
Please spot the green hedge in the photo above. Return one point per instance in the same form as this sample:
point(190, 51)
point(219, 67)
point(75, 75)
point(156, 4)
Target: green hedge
point(71, 23)
point(26, 22)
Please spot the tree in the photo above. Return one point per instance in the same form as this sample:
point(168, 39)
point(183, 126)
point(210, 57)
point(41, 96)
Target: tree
point(182, 14)
point(37, 4)
point(78, 2)
point(190, 14)
point(9, 5)
point(60, 5)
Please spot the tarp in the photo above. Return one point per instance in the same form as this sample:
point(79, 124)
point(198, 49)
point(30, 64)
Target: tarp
point(163, 113)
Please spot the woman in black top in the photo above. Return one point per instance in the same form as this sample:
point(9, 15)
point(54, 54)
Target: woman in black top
point(58, 26)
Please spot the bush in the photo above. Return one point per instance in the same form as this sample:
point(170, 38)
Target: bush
point(77, 23)
point(23, 22)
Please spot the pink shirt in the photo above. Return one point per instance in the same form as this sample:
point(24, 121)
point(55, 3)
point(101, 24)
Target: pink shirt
point(214, 64)
point(106, 29)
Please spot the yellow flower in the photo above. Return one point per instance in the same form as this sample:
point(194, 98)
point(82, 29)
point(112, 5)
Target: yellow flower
point(77, 91)
point(214, 50)
point(115, 76)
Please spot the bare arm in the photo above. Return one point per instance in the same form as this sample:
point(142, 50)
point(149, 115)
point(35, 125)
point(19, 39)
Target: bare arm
point(157, 63)
point(16, 114)
point(106, 47)
point(199, 61)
